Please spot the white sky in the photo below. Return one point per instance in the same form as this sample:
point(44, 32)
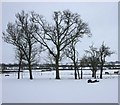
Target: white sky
point(102, 18)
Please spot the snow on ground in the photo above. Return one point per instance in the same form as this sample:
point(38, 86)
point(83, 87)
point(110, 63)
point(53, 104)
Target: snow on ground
point(45, 89)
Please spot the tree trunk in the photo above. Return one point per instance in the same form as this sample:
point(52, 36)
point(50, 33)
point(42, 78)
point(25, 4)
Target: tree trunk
point(81, 73)
point(101, 68)
point(57, 69)
point(20, 62)
point(75, 70)
point(93, 73)
point(78, 73)
point(75, 74)
point(30, 70)
point(101, 71)
point(19, 69)
point(19, 72)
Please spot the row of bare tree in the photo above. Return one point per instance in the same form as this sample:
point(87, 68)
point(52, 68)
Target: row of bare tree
point(96, 58)
point(31, 34)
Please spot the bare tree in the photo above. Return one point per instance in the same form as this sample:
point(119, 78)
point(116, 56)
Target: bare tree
point(20, 34)
point(104, 51)
point(93, 59)
point(72, 53)
point(83, 62)
point(19, 56)
point(66, 28)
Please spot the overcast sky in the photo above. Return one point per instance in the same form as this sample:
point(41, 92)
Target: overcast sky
point(101, 17)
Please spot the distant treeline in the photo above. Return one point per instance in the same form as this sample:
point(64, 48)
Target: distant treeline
point(3, 66)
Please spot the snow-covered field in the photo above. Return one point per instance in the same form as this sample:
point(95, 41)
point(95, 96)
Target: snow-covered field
point(45, 89)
